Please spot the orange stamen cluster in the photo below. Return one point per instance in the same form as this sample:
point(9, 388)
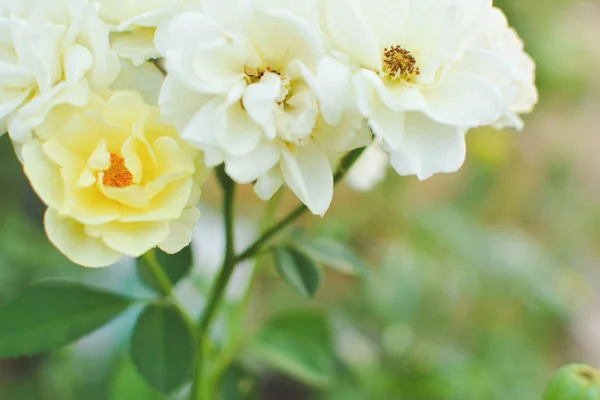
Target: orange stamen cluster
point(117, 175)
point(399, 64)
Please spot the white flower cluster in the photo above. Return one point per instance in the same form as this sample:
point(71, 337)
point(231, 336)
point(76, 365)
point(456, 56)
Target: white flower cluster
point(279, 90)
point(276, 90)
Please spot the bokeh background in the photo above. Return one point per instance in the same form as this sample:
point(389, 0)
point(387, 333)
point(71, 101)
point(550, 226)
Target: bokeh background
point(482, 283)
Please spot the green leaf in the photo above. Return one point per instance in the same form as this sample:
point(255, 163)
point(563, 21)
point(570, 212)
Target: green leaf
point(574, 382)
point(175, 266)
point(333, 254)
point(298, 270)
point(162, 347)
point(127, 384)
point(299, 344)
point(239, 384)
point(52, 314)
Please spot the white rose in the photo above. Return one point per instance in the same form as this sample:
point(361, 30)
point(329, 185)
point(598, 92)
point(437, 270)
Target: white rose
point(123, 15)
point(134, 23)
point(522, 94)
point(253, 88)
point(51, 52)
point(420, 81)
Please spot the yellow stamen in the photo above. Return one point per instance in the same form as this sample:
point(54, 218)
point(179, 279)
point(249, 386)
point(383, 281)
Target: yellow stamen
point(255, 74)
point(399, 64)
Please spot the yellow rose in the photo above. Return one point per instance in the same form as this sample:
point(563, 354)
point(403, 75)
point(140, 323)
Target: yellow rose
point(116, 179)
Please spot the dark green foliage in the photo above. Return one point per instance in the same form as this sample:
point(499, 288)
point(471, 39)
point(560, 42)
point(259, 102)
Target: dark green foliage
point(162, 347)
point(52, 314)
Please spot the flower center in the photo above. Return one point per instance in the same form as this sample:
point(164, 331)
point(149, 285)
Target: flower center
point(399, 64)
point(117, 175)
point(254, 75)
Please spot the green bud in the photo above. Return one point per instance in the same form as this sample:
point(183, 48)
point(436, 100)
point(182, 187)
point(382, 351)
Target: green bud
point(574, 382)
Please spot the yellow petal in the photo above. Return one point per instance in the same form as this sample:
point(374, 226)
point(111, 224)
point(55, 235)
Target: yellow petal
point(167, 205)
point(154, 188)
point(156, 127)
point(190, 216)
point(100, 159)
point(87, 204)
point(132, 161)
point(63, 156)
point(180, 234)
point(133, 196)
point(43, 174)
point(125, 109)
point(55, 121)
point(70, 238)
point(76, 133)
point(194, 196)
point(133, 239)
point(171, 157)
point(86, 179)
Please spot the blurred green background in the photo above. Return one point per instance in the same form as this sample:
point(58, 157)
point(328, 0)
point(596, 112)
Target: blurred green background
point(483, 283)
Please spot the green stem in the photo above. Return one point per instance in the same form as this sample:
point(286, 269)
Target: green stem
point(270, 233)
point(347, 162)
point(201, 386)
point(218, 289)
point(159, 274)
point(165, 284)
point(270, 211)
point(202, 382)
point(238, 331)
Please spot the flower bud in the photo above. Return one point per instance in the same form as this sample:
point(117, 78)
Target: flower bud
point(574, 382)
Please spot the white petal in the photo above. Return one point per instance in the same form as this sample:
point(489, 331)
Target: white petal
point(297, 121)
point(213, 157)
point(429, 148)
point(226, 12)
point(242, 134)
point(294, 39)
point(489, 66)
point(308, 174)
point(15, 76)
point(77, 62)
point(464, 99)
point(250, 167)
point(351, 33)
point(94, 35)
point(7, 107)
point(145, 79)
point(269, 184)
point(332, 87)
point(388, 124)
point(351, 133)
point(397, 97)
point(208, 124)
point(335, 79)
point(137, 45)
point(201, 53)
point(178, 103)
point(33, 113)
point(260, 102)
